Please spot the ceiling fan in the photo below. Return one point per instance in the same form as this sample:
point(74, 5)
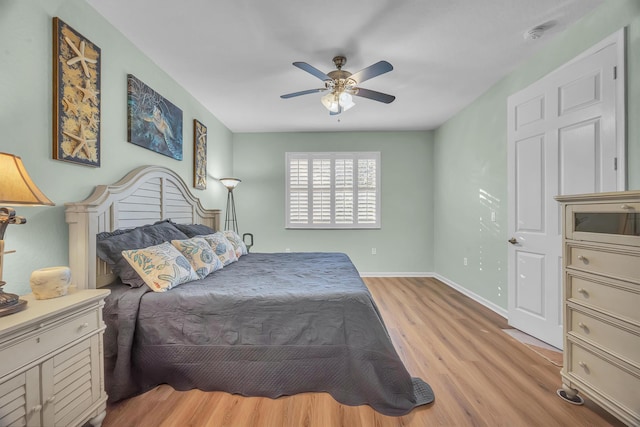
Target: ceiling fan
point(341, 85)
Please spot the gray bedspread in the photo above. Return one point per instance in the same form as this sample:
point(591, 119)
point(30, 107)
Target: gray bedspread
point(267, 325)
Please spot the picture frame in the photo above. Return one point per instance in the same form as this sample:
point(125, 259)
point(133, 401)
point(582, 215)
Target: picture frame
point(153, 122)
point(199, 155)
point(76, 97)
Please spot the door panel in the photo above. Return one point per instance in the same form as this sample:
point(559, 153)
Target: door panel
point(530, 273)
point(580, 93)
point(530, 181)
point(580, 158)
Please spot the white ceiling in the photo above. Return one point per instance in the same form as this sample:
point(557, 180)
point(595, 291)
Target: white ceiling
point(235, 56)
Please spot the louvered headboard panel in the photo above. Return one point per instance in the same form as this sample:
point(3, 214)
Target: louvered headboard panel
point(144, 196)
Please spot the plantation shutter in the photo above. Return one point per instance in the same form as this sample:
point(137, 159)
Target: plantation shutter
point(333, 190)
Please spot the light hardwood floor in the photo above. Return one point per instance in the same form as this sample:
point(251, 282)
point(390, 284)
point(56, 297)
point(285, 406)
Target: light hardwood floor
point(480, 376)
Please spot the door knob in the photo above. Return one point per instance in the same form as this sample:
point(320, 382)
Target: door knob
point(513, 240)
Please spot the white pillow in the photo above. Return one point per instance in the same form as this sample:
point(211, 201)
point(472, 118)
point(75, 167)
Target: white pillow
point(199, 254)
point(222, 247)
point(162, 267)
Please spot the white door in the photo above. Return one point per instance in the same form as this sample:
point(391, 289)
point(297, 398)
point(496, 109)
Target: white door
point(565, 136)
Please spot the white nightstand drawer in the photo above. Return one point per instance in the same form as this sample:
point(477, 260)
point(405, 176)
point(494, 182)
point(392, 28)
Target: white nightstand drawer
point(609, 380)
point(46, 339)
point(600, 295)
point(622, 265)
point(605, 335)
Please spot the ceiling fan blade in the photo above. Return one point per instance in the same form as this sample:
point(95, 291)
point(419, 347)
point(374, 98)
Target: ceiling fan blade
point(376, 96)
point(302, 92)
point(372, 71)
point(312, 70)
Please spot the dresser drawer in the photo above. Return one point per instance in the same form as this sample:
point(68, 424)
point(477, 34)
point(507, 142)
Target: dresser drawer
point(617, 301)
point(616, 223)
point(611, 338)
point(622, 265)
point(609, 380)
point(45, 340)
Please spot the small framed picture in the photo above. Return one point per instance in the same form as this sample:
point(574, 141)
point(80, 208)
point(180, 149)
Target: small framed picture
point(199, 155)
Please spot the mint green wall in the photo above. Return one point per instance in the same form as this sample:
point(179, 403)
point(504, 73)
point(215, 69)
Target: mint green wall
point(25, 121)
point(404, 243)
point(470, 156)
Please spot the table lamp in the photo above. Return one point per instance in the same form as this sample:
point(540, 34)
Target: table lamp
point(16, 189)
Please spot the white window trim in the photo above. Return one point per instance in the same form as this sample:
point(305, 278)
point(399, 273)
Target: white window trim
point(333, 156)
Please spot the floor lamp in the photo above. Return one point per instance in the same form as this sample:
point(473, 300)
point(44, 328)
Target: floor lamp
point(230, 220)
point(16, 189)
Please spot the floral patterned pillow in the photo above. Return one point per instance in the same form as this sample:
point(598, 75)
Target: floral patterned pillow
point(236, 241)
point(162, 267)
point(222, 247)
point(199, 254)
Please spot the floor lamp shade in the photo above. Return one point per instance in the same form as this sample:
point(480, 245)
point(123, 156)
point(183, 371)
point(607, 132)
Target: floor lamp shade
point(230, 219)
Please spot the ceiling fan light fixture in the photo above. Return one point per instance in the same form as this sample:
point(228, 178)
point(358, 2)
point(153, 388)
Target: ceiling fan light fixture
point(330, 102)
point(346, 100)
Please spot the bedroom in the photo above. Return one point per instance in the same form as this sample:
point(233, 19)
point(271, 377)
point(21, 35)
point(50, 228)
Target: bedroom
point(471, 140)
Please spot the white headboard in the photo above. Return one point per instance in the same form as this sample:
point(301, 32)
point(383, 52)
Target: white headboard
point(145, 195)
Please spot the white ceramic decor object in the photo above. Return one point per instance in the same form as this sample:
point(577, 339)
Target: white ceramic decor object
point(50, 282)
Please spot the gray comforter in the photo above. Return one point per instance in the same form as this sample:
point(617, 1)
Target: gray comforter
point(267, 325)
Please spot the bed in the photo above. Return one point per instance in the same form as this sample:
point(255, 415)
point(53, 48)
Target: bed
point(268, 324)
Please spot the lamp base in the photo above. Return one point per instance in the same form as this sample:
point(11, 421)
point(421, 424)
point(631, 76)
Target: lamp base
point(10, 303)
point(13, 308)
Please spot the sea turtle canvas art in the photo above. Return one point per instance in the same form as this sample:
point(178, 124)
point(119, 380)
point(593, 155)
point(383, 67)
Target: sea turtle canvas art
point(153, 121)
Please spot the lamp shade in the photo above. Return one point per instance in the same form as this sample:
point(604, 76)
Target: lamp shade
point(16, 186)
point(230, 183)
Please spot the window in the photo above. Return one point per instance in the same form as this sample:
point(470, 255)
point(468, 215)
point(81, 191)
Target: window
point(333, 190)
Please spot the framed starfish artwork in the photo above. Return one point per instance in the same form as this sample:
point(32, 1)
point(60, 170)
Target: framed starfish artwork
point(199, 155)
point(153, 121)
point(76, 97)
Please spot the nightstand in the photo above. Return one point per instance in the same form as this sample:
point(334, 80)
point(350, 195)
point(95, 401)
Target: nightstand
point(51, 362)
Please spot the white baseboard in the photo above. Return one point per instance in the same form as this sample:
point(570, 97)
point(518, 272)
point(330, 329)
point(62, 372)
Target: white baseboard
point(490, 305)
point(414, 274)
point(477, 298)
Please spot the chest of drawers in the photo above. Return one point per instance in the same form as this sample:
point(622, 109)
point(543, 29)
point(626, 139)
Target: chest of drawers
point(601, 294)
point(51, 370)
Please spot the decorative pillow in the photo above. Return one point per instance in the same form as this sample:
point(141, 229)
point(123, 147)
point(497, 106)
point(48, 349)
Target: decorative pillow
point(222, 247)
point(199, 254)
point(162, 267)
point(236, 241)
point(193, 230)
point(109, 246)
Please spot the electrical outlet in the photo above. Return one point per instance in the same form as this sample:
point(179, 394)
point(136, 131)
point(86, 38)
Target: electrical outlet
point(464, 260)
point(373, 251)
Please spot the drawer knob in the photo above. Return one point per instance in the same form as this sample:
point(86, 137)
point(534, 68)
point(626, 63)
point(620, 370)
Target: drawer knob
point(583, 258)
point(51, 399)
point(625, 206)
point(583, 291)
point(582, 364)
point(84, 325)
point(583, 326)
point(36, 408)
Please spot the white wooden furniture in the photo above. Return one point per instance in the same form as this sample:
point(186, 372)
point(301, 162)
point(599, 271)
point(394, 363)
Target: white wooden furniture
point(51, 362)
point(144, 196)
point(602, 301)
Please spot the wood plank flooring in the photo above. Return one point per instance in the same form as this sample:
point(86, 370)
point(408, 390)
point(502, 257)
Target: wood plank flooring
point(480, 377)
